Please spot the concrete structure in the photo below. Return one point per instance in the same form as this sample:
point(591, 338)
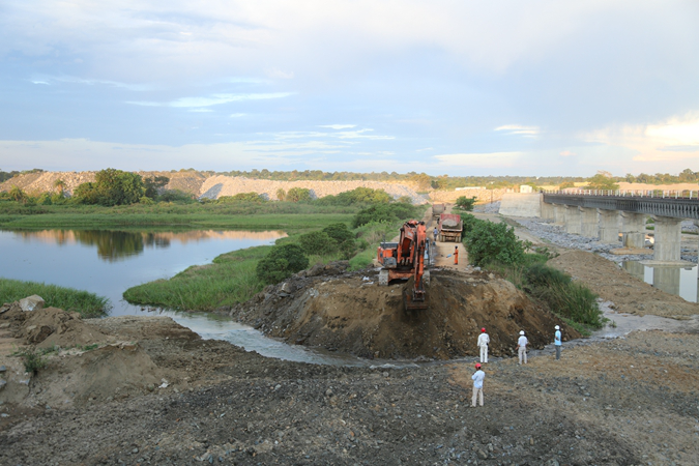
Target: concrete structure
point(605, 216)
point(633, 230)
point(590, 222)
point(668, 236)
point(573, 220)
point(609, 226)
point(521, 205)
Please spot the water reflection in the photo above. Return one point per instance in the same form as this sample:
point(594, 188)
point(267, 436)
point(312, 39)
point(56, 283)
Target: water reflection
point(118, 245)
point(680, 281)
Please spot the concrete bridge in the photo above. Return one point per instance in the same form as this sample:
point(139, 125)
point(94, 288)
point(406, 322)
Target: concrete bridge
point(605, 215)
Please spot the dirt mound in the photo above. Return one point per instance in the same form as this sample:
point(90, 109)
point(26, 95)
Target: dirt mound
point(352, 313)
point(217, 186)
point(628, 293)
point(50, 327)
point(109, 372)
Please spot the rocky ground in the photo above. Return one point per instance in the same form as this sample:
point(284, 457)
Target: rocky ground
point(133, 391)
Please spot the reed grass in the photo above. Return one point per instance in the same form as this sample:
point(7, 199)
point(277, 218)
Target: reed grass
point(69, 299)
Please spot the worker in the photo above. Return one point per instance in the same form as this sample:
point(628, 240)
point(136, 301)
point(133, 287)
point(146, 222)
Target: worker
point(557, 341)
point(435, 233)
point(456, 255)
point(483, 341)
point(477, 377)
point(522, 347)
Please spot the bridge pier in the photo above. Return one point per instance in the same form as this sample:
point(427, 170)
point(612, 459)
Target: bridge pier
point(590, 223)
point(633, 230)
point(547, 211)
point(667, 279)
point(559, 214)
point(668, 232)
point(609, 226)
point(573, 220)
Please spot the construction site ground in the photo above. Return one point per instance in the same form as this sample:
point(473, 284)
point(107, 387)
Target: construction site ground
point(152, 392)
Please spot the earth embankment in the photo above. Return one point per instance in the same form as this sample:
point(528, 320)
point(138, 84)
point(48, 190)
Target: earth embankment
point(329, 308)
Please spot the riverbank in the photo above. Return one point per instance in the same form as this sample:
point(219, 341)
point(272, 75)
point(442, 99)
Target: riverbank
point(153, 392)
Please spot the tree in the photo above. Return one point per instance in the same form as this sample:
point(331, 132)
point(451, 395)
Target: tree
point(466, 203)
point(281, 194)
point(602, 181)
point(488, 242)
point(17, 194)
point(298, 195)
point(282, 262)
point(111, 187)
point(153, 183)
point(60, 185)
point(318, 242)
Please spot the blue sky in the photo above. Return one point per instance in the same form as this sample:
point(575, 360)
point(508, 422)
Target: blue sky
point(442, 87)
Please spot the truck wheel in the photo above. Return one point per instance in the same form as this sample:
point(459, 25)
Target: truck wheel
point(383, 277)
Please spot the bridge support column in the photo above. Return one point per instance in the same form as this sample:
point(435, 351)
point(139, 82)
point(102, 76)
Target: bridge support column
point(590, 223)
point(559, 214)
point(573, 220)
point(609, 226)
point(668, 234)
point(547, 211)
point(634, 230)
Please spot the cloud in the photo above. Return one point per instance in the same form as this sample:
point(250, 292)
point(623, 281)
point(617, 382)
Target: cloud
point(567, 153)
point(655, 142)
point(519, 130)
point(480, 160)
point(216, 99)
point(337, 126)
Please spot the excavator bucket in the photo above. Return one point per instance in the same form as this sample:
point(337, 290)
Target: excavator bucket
point(412, 300)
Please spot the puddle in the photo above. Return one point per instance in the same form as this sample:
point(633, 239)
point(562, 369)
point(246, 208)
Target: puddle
point(680, 281)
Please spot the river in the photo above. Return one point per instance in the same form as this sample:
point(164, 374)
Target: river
point(109, 262)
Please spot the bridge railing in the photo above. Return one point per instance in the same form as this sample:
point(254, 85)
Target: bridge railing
point(668, 206)
point(652, 193)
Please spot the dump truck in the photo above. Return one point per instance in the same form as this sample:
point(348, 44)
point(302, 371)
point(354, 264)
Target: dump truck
point(451, 228)
point(405, 260)
point(437, 210)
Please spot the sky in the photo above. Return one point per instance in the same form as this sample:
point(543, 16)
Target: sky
point(456, 87)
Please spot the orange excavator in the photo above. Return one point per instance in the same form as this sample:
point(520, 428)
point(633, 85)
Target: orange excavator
point(405, 260)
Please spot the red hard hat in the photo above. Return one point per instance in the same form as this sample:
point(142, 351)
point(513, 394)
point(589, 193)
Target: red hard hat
point(483, 330)
point(478, 366)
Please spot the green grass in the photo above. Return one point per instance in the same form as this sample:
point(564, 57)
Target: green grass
point(244, 216)
point(69, 299)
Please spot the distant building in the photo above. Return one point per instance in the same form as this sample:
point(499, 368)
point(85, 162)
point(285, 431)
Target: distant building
point(525, 188)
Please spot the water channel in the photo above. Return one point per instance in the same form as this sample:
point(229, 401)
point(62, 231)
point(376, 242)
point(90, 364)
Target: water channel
point(109, 262)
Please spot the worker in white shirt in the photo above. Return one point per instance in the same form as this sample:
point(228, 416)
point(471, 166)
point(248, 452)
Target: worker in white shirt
point(477, 377)
point(522, 347)
point(483, 342)
point(557, 341)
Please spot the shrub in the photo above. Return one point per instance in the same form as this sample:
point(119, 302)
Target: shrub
point(282, 262)
point(493, 242)
point(466, 203)
point(344, 238)
point(318, 242)
point(33, 360)
point(298, 195)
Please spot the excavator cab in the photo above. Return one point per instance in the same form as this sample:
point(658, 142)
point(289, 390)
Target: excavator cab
point(405, 260)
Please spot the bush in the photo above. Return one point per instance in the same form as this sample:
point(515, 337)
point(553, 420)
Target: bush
point(282, 262)
point(298, 195)
point(344, 237)
point(33, 360)
point(493, 242)
point(383, 213)
point(466, 203)
point(318, 242)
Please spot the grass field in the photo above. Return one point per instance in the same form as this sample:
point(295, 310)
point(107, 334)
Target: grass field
point(85, 303)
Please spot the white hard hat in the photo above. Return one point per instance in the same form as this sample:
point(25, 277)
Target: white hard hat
point(557, 327)
point(521, 332)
